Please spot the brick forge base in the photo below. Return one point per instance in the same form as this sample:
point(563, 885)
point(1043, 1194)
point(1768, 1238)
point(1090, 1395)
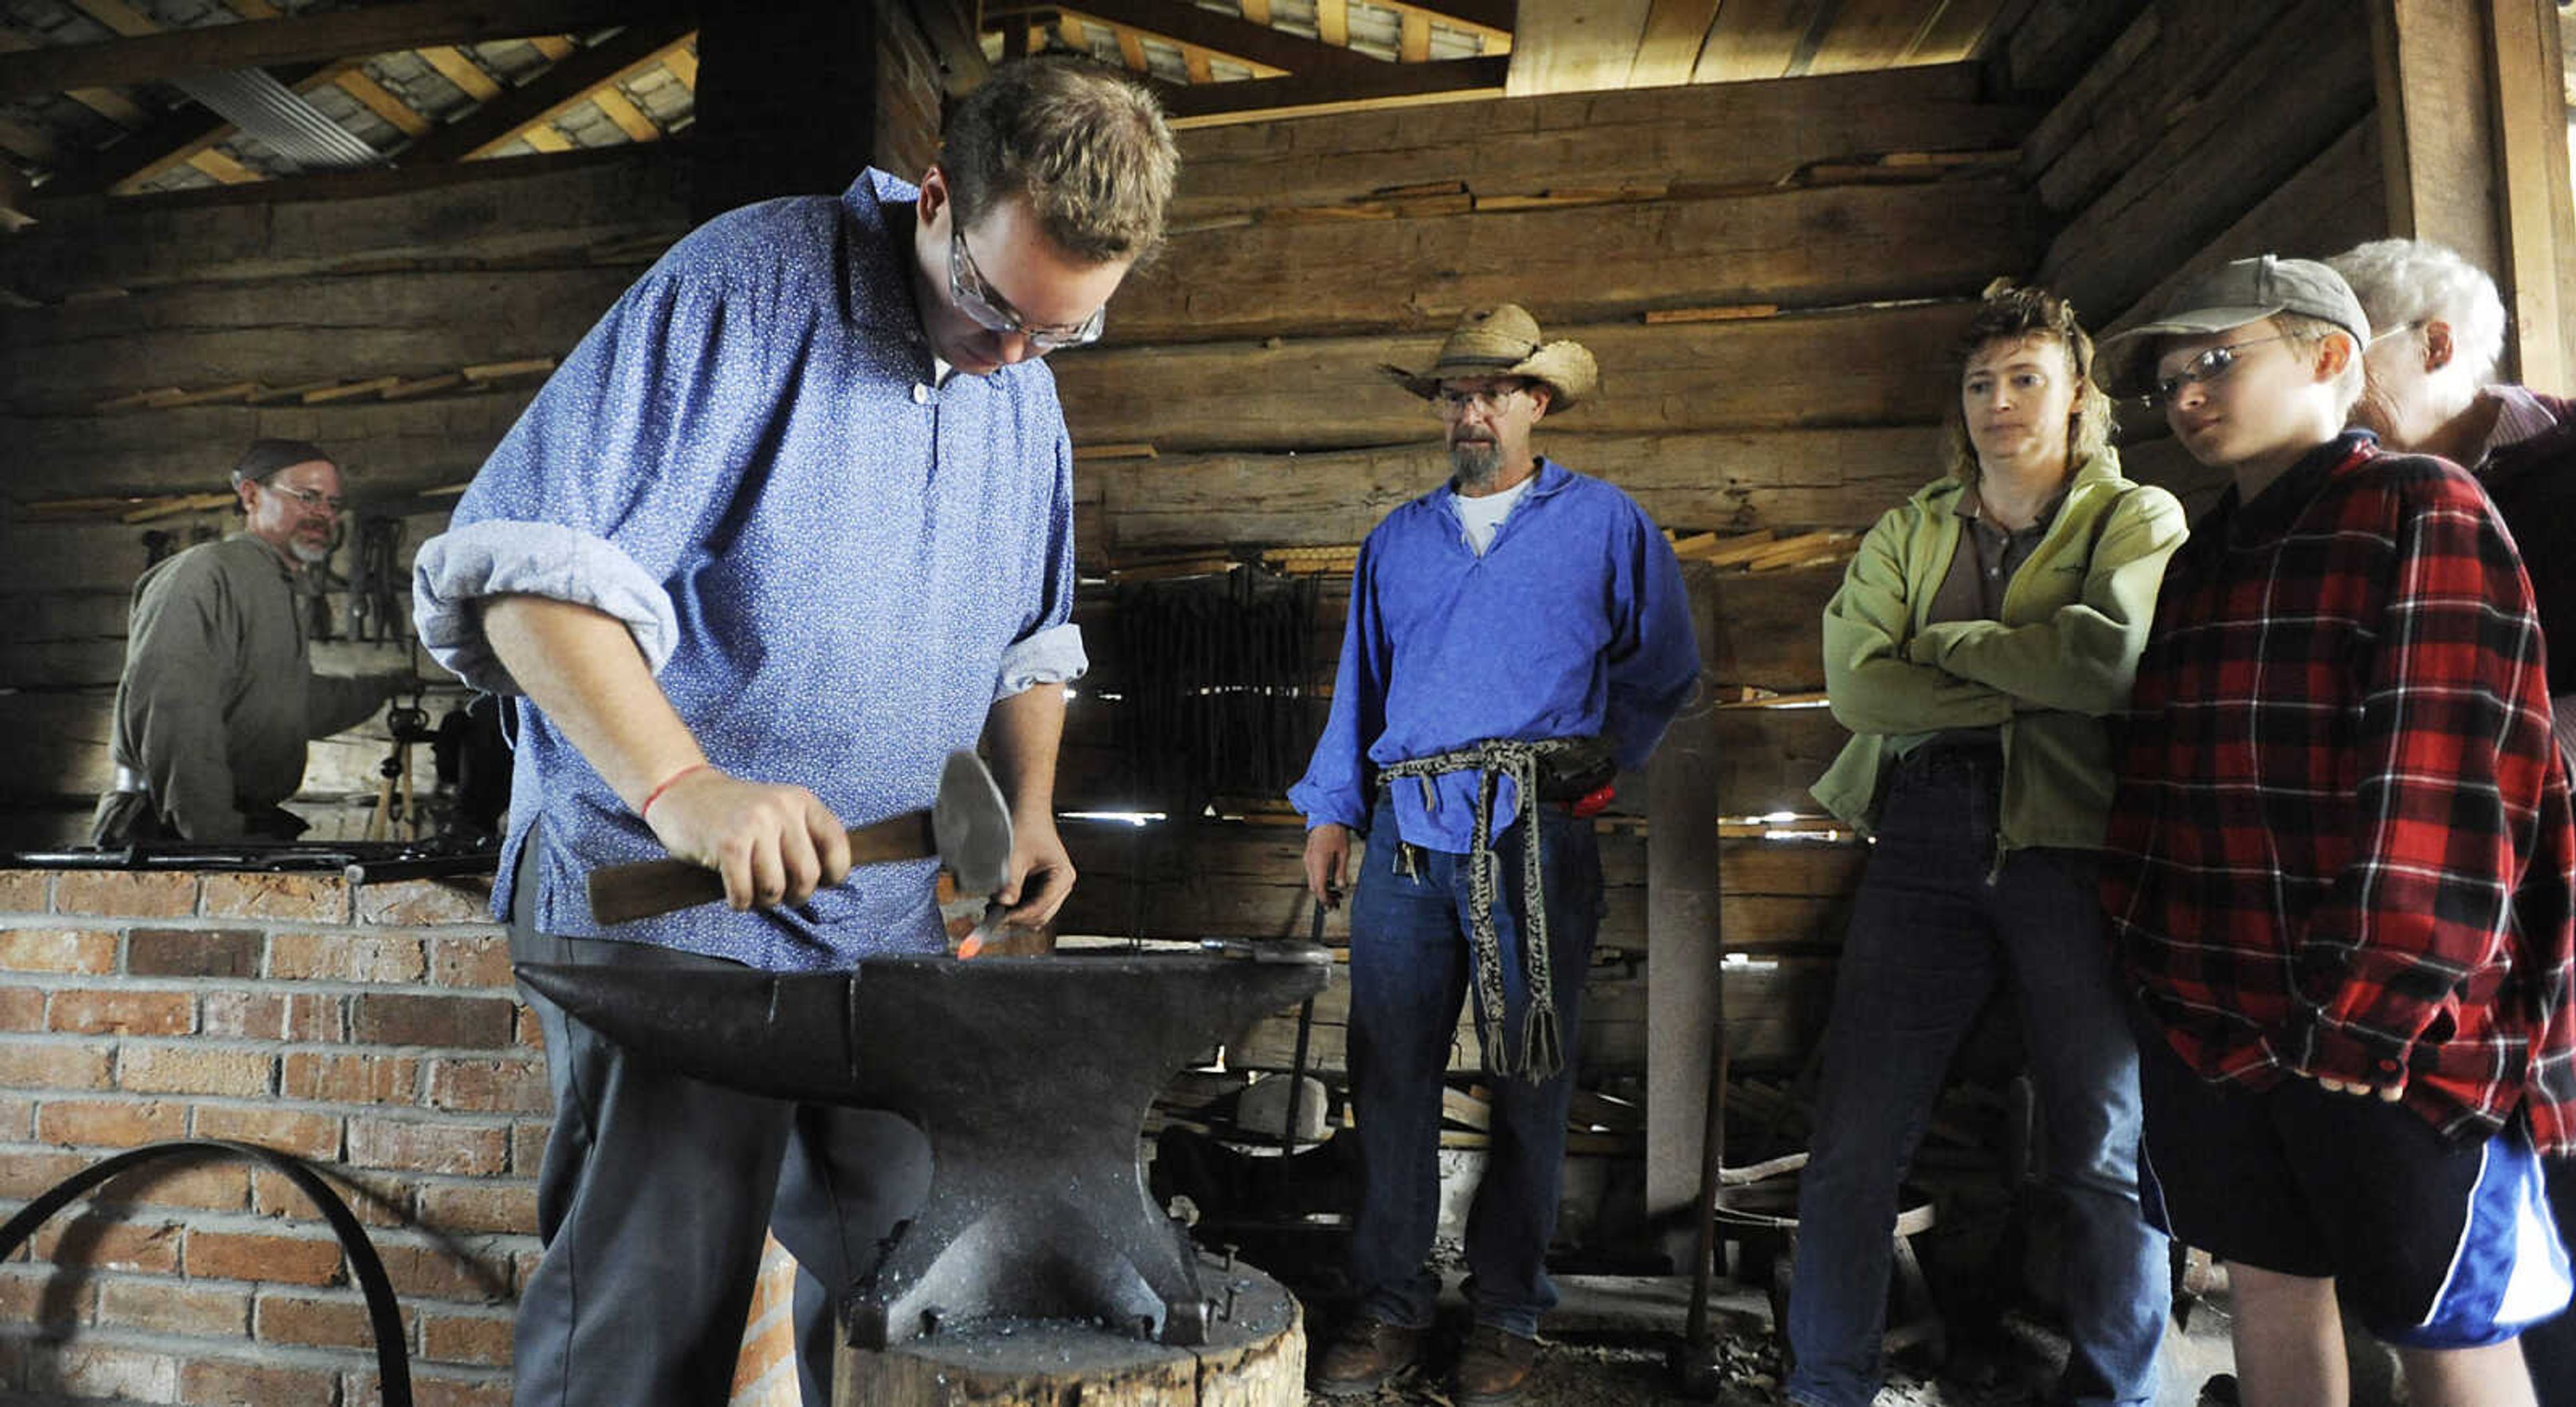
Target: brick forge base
point(373, 1031)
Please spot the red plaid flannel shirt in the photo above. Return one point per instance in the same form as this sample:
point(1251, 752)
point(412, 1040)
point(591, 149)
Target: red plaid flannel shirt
point(2341, 842)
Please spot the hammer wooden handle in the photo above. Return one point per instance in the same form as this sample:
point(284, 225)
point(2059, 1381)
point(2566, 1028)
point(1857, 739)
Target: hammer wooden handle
point(624, 893)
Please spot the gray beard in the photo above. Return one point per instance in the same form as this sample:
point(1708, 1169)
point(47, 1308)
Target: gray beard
point(1475, 465)
point(308, 555)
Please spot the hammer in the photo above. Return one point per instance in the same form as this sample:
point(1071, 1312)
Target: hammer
point(968, 828)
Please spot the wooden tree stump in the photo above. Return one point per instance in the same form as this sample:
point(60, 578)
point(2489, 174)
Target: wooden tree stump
point(1254, 1357)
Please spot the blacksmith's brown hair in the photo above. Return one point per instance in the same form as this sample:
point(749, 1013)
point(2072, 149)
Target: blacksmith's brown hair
point(1085, 145)
point(2009, 313)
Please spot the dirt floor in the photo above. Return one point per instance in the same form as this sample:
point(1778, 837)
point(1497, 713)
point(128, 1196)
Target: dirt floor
point(1635, 1374)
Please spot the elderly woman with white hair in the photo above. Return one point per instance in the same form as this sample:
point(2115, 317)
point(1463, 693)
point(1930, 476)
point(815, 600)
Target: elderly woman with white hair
point(2441, 331)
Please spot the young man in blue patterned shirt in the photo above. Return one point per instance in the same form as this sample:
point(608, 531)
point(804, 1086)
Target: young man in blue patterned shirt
point(754, 562)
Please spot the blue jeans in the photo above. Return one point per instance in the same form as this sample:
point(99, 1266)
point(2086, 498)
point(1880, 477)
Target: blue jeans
point(1936, 925)
point(1410, 971)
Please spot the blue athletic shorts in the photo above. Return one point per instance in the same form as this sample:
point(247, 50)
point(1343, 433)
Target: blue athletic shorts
point(2430, 1245)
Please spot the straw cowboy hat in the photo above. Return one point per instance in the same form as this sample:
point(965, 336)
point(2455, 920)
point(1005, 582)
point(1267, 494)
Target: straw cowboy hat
point(1503, 340)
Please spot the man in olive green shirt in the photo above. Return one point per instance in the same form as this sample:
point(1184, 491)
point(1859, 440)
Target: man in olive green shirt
point(219, 694)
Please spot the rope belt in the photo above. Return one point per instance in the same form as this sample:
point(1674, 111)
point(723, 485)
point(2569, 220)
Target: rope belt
point(1542, 1049)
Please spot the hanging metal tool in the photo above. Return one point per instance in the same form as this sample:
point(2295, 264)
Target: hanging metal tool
point(392, 820)
point(376, 613)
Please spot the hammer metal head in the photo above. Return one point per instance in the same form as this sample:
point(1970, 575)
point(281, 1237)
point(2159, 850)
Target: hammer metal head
point(971, 825)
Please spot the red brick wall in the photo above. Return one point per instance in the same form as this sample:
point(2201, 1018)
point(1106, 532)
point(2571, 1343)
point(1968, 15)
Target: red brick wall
point(373, 1032)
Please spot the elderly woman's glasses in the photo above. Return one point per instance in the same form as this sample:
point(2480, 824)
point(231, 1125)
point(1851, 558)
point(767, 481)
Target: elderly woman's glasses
point(994, 314)
point(2208, 368)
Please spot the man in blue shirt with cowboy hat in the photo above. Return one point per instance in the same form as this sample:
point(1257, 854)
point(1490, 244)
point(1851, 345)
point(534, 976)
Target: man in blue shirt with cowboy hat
point(1514, 635)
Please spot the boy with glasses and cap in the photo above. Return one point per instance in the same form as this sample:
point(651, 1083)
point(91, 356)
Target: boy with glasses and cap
point(1513, 635)
point(2339, 868)
point(755, 561)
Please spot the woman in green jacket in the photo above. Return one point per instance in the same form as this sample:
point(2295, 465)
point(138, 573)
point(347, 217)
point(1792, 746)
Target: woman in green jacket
point(1985, 629)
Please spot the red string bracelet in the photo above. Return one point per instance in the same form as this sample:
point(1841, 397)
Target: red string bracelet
point(643, 812)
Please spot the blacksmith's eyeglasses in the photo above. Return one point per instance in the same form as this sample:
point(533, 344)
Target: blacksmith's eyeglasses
point(310, 498)
point(2208, 368)
point(994, 313)
point(1453, 401)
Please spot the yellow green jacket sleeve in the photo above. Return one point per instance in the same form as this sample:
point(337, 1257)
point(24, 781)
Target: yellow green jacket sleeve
point(2083, 656)
point(1873, 687)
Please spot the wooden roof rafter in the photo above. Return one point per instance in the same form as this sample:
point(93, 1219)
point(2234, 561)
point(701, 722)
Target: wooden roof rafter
point(326, 37)
point(190, 137)
point(1381, 85)
point(350, 76)
point(198, 150)
point(1489, 20)
point(106, 102)
point(1264, 50)
point(528, 113)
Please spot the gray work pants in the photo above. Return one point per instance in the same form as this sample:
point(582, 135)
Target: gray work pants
point(652, 1199)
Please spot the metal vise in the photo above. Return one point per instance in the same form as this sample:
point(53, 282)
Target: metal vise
point(1030, 1078)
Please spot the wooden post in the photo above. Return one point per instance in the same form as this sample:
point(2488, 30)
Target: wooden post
point(2528, 87)
point(1255, 1356)
point(786, 101)
point(1684, 996)
point(2473, 133)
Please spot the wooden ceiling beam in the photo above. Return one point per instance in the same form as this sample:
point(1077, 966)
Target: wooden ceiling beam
point(180, 136)
point(118, 16)
point(319, 38)
point(1577, 46)
point(1669, 49)
point(223, 168)
point(621, 109)
point(106, 102)
point(1494, 19)
point(634, 50)
point(353, 79)
point(29, 144)
point(350, 76)
point(1333, 22)
point(1381, 85)
point(456, 67)
point(1186, 25)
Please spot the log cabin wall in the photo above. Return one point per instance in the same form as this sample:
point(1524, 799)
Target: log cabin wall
point(1769, 274)
point(401, 320)
point(2205, 131)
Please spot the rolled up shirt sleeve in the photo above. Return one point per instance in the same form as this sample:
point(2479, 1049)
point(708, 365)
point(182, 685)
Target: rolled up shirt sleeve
point(499, 557)
point(1054, 655)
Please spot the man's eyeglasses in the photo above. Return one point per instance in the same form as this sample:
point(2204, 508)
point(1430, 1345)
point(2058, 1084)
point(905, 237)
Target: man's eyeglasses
point(310, 498)
point(1452, 401)
point(994, 314)
point(2205, 369)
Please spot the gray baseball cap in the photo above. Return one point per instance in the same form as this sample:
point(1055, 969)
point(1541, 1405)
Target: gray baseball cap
point(2229, 296)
